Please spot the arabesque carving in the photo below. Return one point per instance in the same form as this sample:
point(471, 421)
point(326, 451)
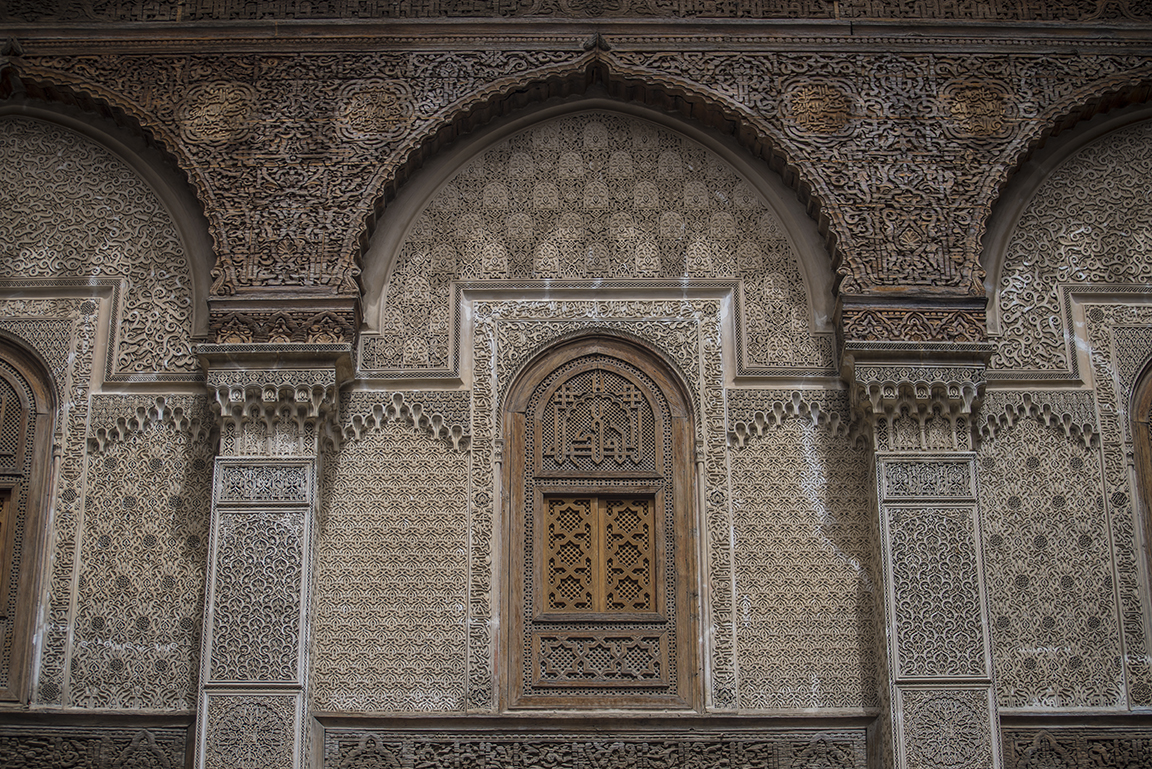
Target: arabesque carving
point(1110, 355)
point(114, 226)
point(834, 749)
point(905, 205)
point(802, 648)
point(948, 729)
point(597, 196)
point(78, 747)
point(1077, 748)
point(1084, 226)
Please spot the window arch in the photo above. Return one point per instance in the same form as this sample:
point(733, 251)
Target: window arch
point(26, 423)
point(602, 595)
point(1141, 426)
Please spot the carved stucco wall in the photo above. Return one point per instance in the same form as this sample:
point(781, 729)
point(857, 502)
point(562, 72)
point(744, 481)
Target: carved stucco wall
point(806, 602)
point(143, 541)
point(392, 584)
point(1048, 560)
point(1088, 223)
point(70, 208)
point(590, 196)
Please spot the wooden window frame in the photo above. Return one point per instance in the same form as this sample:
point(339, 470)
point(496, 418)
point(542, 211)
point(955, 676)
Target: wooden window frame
point(519, 615)
point(33, 489)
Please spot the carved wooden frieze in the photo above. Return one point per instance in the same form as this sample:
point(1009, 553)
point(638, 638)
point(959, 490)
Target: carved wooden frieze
point(905, 175)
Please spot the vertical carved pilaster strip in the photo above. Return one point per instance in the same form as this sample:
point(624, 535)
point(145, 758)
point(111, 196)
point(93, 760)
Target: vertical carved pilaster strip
point(254, 676)
point(942, 709)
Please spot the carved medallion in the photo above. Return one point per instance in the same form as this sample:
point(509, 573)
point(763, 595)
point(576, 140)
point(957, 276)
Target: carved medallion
point(976, 109)
point(820, 108)
point(217, 113)
point(373, 112)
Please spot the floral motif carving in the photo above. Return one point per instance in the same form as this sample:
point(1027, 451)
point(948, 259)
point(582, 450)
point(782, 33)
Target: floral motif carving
point(256, 597)
point(139, 243)
point(949, 729)
point(250, 732)
point(912, 325)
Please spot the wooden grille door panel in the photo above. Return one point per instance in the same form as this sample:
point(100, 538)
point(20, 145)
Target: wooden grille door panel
point(601, 548)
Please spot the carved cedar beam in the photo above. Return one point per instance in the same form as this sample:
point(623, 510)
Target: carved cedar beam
point(256, 318)
point(872, 319)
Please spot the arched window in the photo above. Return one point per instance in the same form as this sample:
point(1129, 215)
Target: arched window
point(1142, 440)
point(25, 434)
point(602, 589)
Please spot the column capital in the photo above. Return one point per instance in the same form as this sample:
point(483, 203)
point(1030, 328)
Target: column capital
point(933, 388)
point(276, 398)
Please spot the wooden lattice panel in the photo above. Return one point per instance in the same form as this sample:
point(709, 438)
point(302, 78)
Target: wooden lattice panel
point(598, 555)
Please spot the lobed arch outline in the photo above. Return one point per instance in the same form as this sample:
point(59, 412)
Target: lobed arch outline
point(1058, 134)
point(749, 142)
point(801, 231)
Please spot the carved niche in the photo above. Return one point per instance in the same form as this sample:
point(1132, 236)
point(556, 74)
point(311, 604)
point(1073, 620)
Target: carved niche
point(601, 557)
